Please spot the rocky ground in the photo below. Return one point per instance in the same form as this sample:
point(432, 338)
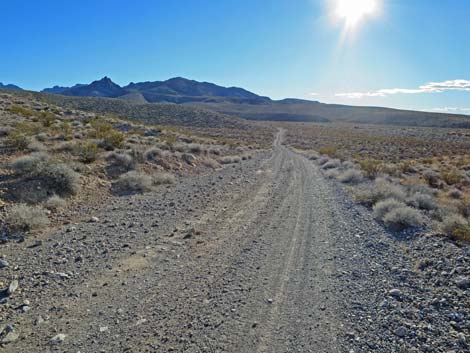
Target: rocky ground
point(262, 256)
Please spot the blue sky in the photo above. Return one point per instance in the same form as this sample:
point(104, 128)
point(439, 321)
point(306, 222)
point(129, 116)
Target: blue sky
point(277, 48)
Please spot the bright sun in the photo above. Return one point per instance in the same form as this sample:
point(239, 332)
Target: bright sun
point(353, 11)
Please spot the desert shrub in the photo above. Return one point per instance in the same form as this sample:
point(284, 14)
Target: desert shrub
point(30, 164)
point(123, 161)
point(422, 201)
point(328, 151)
point(382, 208)
point(380, 190)
point(451, 176)
point(229, 160)
point(331, 164)
point(55, 203)
point(36, 146)
point(455, 194)
point(60, 178)
point(5, 131)
point(18, 109)
point(408, 167)
point(402, 218)
point(55, 176)
point(370, 168)
point(348, 165)
point(456, 227)
point(432, 178)
point(18, 140)
point(111, 138)
point(323, 160)
point(134, 182)
point(87, 152)
point(22, 217)
point(163, 178)
point(42, 136)
point(153, 153)
point(46, 118)
point(208, 162)
point(332, 173)
point(351, 176)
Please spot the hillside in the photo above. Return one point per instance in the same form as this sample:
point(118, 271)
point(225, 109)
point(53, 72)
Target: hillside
point(155, 113)
point(298, 110)
point(10, 87)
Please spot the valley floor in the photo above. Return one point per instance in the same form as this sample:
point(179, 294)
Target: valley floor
point(265, 256)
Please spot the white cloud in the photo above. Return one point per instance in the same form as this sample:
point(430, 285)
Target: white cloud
point(450, 110)
point(431, 87)
point(314, 94)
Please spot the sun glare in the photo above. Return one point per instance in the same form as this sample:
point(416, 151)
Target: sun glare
point(353, 11)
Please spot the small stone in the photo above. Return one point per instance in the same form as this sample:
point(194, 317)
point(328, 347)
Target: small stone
point(400, 332)
point(103, 328)
point(463, 283)
point(396, 293)
point(12, 287)
point(4, 263)
point(10, 337)
point(39, 321)
point(94, 219)
point(270, 301)
point(58, 338)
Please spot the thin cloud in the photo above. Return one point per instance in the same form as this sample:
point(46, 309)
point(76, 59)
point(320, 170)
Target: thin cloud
point(431, 87)
point(451, 110)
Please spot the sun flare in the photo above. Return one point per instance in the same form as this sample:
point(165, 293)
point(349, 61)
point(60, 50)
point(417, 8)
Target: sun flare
point(354, 11)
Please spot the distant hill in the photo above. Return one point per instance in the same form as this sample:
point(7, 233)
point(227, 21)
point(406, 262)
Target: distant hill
point(238, 102)
point(175, 90)
point(10, 87)
point(152, 113)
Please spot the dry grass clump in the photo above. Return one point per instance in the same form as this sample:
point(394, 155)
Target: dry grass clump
point(351, 176)
point(382, 208)
point(55, 176)
point(22, 217)
point(104, 131)
point(229, 160)
point(163, 178)
point(456, 227)
point(380, 190)
point(331, 164)
point(55, 203)
point(422, 201)
point(134, 182)
point(402, 218)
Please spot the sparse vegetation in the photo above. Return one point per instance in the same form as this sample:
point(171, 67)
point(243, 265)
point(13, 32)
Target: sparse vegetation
point(134, 182)
point(22, 217)
point(402, 218)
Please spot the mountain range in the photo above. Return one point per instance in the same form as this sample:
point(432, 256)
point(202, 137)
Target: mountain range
point(236, 102)
point(175, 90)
point(10, 87)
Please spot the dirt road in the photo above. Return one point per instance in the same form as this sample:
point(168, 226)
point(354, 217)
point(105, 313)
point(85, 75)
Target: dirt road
point(263, 257)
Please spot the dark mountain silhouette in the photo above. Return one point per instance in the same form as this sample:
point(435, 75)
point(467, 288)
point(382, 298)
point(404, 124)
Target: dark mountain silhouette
point(10, 87)
point(101, 88)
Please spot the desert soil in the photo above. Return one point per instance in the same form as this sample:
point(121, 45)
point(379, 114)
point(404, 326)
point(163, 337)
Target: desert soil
point(264, 256)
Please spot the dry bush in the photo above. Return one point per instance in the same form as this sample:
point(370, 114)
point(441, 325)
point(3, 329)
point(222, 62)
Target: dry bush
point(86, 152)
point(332, 173)
point(17, 109)
point(18, 140)
point(378, 191)
point(110, 137)
point(402, 218)
point(22, 217)
point(331, 164)
point(455, 194)
point(422, 201)
point(134, 182)
point(370, 168)
point(55, 203)
point(432, 178)
point(122, 161)
point(382, 208)
point(456, 227)
point(451, 177)
point(57, 177)
point(36, 146)
point(323, 160)
point(229, 160)
point(163, 178)
point(330, 151)
point(351, 176)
